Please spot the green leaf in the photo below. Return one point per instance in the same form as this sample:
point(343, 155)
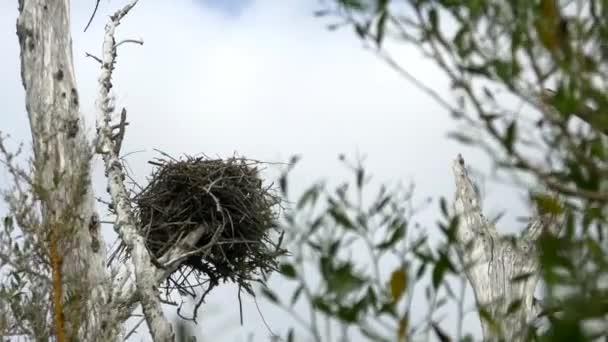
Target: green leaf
point(309, 195)
point(547, 204)
point(510, 135)
point(460, 41)
point(382, 5)
point(360, 177)
point(320, 304)
point(421, 271)
point(461, 138)
point(371, 296)
point(487, 317)
point(442, 265)
point(356, 5)
point(514, 306)
point(443, 204)
point(506, 71)
point(438, 273)
point(270, 295)
point(340, 217)
point(361, 30)
point(333, 247)
point(283, 184)
point(296, 294)
point(521, 277)
point(480, 70)
point(290, 335)
point(381, 27)
point(288, 270)
point(434, 20)
point(387, 308)
point(343, 280)
point(403, 326)
point(441, 335)
point(316, 224)
point(17, 277)
point(381, 204)
point(8, 223)
point(372, 335)
point(315, 246)
point(395, 237)
point(348, 314)
point(398, 284)
point(467, 338)
point(451, 230)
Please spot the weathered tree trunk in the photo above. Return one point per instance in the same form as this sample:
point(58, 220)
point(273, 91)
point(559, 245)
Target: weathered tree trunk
point(62, 158)
point(90, 300)
point(503, 271)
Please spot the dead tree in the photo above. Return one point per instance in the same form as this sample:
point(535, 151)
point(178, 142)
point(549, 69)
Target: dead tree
point(503, 270)
point(69, 223)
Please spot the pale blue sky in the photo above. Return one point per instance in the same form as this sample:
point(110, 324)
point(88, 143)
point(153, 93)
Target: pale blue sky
point(230, 7)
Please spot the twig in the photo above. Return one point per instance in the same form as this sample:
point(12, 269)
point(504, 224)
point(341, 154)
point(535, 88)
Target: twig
point(134, 41)
point(262, 317)
point(94, 57)
point(92, 15)
point(120, 135)
point(134, 329)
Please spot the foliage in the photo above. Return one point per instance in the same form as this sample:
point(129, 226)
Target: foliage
point(354, 265)
point(530, 84)
point(529, 77)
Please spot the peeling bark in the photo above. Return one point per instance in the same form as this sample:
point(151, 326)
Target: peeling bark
point(62, 156)
point(492, 262)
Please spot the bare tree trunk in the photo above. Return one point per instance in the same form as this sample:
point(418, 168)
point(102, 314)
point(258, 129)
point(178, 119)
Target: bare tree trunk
point(90, 300)
point(503, 271)
point(62, 158)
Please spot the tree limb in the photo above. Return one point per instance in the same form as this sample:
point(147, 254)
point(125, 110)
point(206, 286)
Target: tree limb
point(501, 269)
point(145, 272)
point(126, 291)
point(473, 225)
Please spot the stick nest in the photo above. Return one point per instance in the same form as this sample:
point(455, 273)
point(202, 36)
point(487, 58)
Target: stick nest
point(228, 198)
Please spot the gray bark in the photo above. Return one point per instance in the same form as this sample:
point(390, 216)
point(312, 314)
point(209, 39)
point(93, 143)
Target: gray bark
point(503, 270)
point(62, 157)
point(109, 148)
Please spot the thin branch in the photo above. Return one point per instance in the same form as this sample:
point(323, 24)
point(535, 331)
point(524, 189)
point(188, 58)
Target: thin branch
point(107, 145)
point(92, 15)
point(94, 57)
point(134, 41)
point(385, 56)
point(134, 329)
point(118, 137)
point(170, 260)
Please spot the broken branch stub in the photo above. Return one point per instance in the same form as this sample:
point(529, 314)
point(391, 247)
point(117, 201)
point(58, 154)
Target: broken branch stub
point(503, 270)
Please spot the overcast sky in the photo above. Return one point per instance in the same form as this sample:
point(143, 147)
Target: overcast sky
point(264, 79)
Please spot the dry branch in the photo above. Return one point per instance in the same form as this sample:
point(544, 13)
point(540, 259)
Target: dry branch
point(146, 285)
point(493, 261)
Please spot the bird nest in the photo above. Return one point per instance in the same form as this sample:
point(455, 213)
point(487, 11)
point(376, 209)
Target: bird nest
point(226, 197)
